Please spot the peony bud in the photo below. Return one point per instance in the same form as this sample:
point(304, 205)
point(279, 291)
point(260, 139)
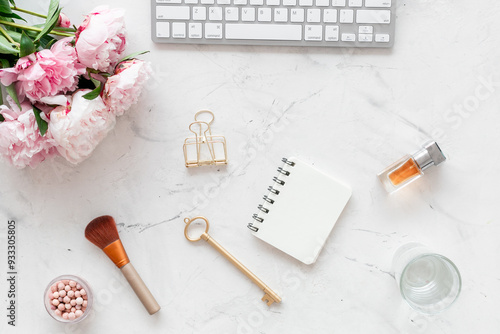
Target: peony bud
point(64, 21)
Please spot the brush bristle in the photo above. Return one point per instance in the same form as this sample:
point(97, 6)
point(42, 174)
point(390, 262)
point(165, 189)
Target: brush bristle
point(102, 231)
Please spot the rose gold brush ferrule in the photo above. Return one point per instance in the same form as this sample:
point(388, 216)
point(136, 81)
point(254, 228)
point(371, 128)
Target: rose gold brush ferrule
point(116, 252)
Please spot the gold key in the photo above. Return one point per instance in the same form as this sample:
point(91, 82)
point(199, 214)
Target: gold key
point(269, 295)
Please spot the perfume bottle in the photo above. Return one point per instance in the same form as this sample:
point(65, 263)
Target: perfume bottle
point(411, 167)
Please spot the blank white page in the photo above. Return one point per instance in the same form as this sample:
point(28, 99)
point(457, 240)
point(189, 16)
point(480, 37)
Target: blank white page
point(304, 212)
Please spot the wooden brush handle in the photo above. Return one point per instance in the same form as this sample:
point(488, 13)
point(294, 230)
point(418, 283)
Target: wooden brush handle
point(140, 289)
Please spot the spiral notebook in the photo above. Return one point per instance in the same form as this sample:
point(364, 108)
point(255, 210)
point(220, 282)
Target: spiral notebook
point(300, 210)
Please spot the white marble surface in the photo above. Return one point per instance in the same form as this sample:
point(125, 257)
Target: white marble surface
point(348, 112)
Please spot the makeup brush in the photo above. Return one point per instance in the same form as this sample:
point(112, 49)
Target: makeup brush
point(103, 233)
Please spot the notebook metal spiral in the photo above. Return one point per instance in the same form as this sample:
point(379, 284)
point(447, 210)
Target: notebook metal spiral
point(263, 209)
point(272, 190)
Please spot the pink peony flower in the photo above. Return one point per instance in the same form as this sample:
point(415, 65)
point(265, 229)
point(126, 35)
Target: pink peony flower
point(45, 73)
point(123, 89)
point(79, 126)
point(20, 140)
point(63, 21)
point(100, 40)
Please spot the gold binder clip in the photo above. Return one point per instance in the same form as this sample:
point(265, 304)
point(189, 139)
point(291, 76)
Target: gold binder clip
point(204, 148)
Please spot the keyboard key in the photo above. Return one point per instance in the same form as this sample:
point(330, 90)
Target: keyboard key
point(215, 13)
point(297, 15)
point(280, 15)
point(366, 29)
point(348, 37)
point(240, 2)
point(347, 16)
point(365, 37)
point(313, 33)
point(332, 33)
point(207, 2)
point(338, 3)
point(322, 3)
point(330, 15)
point(168, 1)
point(199, 13)
point(289, 2)
point(231, 14)
point(313, 15)
point(172, 13)
point(378, 3)
point(213, 30)
point(305, 3)
point(382, 38)
point(248, 14)
point(179, 30)
point(273, 2)
point(256, 2)
point(162, 29)
point(195, 30)
point(223, 2)
point(191, 2)
point(264, 15)
point(355, 3)
point(278, 32)
point(373, 16)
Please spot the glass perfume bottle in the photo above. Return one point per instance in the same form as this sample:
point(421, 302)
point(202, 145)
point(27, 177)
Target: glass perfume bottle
point(411, 167)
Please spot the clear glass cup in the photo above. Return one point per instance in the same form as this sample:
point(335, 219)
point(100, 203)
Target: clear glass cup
point(48, 300)
point(428, 282)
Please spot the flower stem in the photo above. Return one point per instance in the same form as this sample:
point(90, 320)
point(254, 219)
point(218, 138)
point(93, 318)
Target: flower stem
point(27, 12)
point(21, 26)
point(2, 30)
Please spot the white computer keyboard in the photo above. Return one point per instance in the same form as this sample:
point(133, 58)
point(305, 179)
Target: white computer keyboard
point(329, 23)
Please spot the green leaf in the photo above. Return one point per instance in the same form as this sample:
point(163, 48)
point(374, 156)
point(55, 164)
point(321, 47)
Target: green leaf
point(1, 118)
point(133, 55)
point(13, 16)
point(96, 82)
point(8, 19)
point(30, 33)
point(47, 41)
point(5, 7)
point(49, 25)
point(6, 11)
point(11, 90)
point(7, 47)
point(95, 93)
point(52, 18)
point(16, 36)
point(42, 125)
point(27, 46)
point(53, 7)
